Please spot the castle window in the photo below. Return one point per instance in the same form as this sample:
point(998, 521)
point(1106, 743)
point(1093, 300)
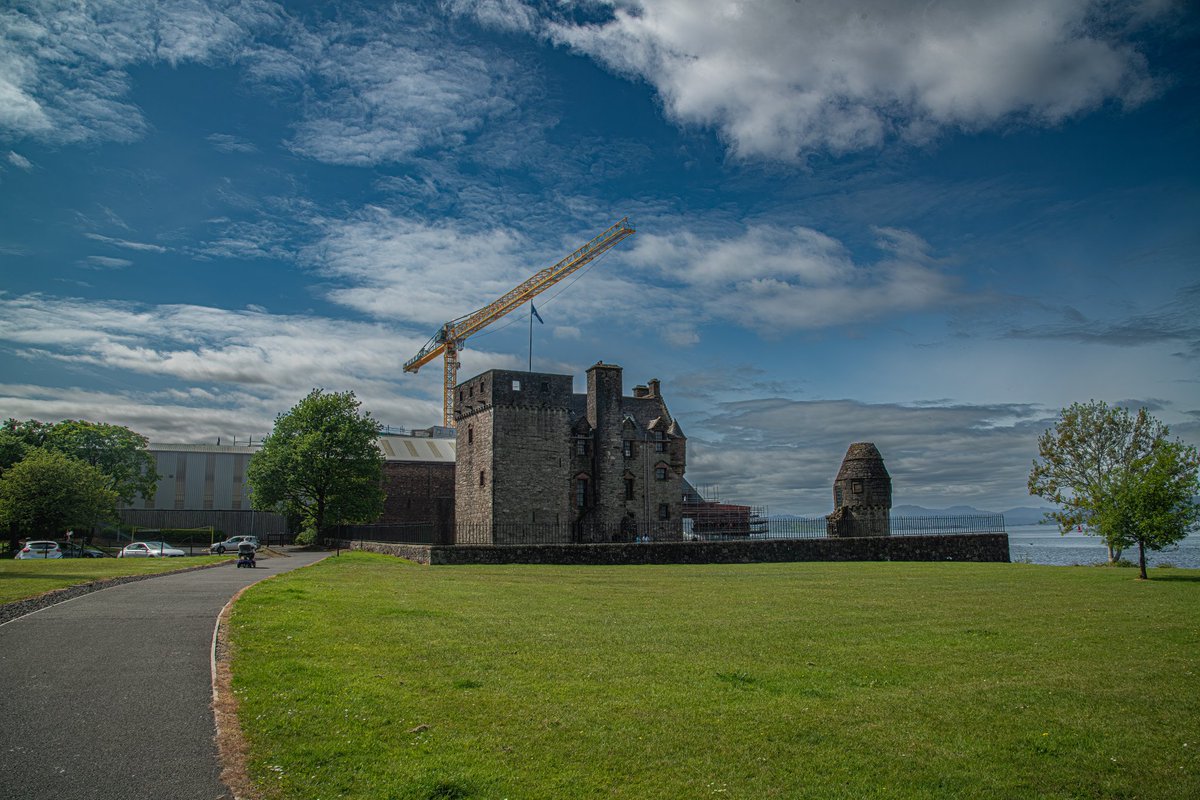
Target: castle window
point(660, 473)
point(516, 386)
point(627, 448)
point(545, 386)
point(856, 487)
point(470, 434)
point(581, 492)
point(664, 510)
point(660, 445)
point(629, 488)
point(460, 395)
point(482, 473)
point(581, 447)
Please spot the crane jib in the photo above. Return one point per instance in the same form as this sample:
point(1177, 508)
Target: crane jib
point(451, 337)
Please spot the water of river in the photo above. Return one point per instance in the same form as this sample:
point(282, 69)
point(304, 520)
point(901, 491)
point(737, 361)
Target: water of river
point(1042, 544)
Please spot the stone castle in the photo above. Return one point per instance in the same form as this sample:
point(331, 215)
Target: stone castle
point(533, 454)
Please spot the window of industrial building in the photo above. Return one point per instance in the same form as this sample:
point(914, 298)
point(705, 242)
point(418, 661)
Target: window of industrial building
point(664, 511)
point(481, 476)
point(627, 448)
point(660, 473)
point(581, 492)
point(629, 488)
point(516, 386)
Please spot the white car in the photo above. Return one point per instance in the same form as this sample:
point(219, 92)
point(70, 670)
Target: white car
point(231, 544)
point(150, 550)
point(39, 549)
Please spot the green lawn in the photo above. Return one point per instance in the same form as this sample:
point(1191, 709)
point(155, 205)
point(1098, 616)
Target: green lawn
point(369, 677)
point(22, 579)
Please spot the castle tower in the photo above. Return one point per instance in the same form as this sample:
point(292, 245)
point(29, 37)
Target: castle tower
point(862, 494)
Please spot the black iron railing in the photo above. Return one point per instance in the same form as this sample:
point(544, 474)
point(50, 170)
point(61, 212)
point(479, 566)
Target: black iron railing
point(754, 529)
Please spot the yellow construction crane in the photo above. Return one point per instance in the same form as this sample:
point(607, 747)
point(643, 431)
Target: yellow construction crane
point(452, 336)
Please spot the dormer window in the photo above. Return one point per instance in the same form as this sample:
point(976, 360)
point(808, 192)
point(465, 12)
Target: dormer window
point(627, 448)
point(660, 473)
point(660, 444)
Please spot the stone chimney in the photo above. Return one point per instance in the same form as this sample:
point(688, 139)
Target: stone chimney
point(653, 389)
point(641, 391)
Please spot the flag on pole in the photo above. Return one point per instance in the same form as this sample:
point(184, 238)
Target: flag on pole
point(533, 308)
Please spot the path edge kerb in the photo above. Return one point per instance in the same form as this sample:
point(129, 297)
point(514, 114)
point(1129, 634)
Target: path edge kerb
point(232, 748)
point(17, 609)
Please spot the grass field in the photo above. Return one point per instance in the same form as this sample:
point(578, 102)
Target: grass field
point(22, 579)
point(368, 677)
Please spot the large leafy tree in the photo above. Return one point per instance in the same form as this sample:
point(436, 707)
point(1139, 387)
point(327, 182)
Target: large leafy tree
point(1084, 458)
point(1152, 502)
point(115, 450)
point(47, 493)
point(321, 463)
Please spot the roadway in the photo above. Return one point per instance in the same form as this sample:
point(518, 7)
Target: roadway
point(109, 695)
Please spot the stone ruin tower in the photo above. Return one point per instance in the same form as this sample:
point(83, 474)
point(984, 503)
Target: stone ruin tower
point(862, 495)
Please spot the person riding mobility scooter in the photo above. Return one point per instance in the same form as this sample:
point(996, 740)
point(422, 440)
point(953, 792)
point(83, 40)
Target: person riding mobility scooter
point(245, 554)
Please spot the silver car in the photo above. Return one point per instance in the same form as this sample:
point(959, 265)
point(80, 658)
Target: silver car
point(39, 549)
point(231, 544)
point(150, 550)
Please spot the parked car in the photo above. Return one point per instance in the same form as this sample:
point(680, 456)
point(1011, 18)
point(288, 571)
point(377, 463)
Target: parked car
point(83, 551)
point(232, 543)
point(150, 550)
point(39, 549)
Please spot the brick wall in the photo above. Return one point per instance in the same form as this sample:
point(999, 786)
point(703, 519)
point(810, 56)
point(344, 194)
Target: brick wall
point(980, 547)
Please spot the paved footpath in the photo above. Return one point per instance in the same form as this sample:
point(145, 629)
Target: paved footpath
point(109, 695)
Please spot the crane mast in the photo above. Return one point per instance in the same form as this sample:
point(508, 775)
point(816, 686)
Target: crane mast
point(451, 337)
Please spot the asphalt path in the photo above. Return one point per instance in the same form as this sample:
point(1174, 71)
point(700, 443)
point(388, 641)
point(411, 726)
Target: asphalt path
point(109, 695)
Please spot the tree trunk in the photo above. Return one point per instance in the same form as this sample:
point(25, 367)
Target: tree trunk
point(1142, 559)
point(1114, 552)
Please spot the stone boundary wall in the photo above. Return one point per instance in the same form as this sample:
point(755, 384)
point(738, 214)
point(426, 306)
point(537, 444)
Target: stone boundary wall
point(960, 547)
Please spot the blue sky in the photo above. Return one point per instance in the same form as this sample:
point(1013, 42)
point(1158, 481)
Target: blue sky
point(926, 225)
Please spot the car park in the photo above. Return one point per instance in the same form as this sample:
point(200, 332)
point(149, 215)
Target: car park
point(150, 550)
point(231, 544)
point(39, 549)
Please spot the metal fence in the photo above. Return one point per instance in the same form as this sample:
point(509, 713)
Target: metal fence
point(756, 529)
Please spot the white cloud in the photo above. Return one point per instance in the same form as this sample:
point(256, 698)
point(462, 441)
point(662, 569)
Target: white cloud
point(213, 368)
point(782, 80)
point(771, 278)
point(17, 160)
point(398, 93)
point(64, 68)
point(421, 273)
point(106, 262)
point(228, 143)
point(125, 244)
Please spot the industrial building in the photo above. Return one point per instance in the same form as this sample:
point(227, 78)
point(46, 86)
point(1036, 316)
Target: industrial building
point(204, 485)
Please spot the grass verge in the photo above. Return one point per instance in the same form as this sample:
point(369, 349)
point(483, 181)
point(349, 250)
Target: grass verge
point(23, 579)
point(369, 677)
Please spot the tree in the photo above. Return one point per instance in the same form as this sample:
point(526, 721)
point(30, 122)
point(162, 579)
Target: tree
point(320, 463)
point(115, 450)
point(1152, 502)
point(47, 493)
point(1085, 456)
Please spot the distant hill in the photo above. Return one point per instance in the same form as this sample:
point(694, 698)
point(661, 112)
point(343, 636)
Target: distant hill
point(1022, 515)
